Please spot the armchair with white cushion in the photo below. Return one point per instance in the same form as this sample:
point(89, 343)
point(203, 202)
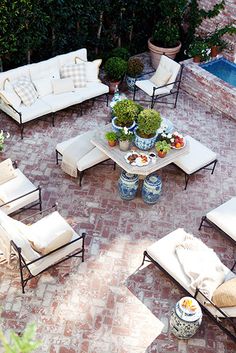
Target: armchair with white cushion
point(165, 82)
point(17, 192)
point(41, 245)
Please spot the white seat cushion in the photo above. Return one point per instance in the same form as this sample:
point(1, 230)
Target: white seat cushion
point(62, 100)
point(37, 109)
point(9, 96)
point(198, 157)
point(7, 171)
point(91, 158)
point(147, 87)
point(224, 217)
point(93, 89)
point(163, 252)
point(61, 146)
point(16, 187)
point(62, 85)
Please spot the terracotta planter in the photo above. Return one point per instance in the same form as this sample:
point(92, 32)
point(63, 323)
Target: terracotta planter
point(197, 59)
point(214, 51)
point(112, 86)
point(111, 143)
point(156, 52)
point(161, 154)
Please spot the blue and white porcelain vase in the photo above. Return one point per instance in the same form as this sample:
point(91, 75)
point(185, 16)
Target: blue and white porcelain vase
point(144, 144)
point(128, 185)
point(116, 128)
point(130, 82)
point(151, 189)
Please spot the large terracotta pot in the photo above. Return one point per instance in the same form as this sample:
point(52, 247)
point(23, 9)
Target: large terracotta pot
point(156, 52)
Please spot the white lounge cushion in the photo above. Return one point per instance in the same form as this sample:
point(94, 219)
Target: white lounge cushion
point(62, 85)
point(147, 86)
point(9, 96)
point(16, 187)
point(37, 109)
point(69, 58)
point(62, 100)
point(48, 69)
point(161, 76)
point(224, 217)
point(92, 69)
point(26, 91)
point(171, 66)
point(43, 86)
point(91, 158)
point(77, 72)
point(198, 157)
point(163, 252)
point(92, 89)
point(7, 171)
point(61, 146)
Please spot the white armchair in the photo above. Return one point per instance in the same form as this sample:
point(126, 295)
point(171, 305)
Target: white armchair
point(41, 245)
point(165, 82)
point(16, 190)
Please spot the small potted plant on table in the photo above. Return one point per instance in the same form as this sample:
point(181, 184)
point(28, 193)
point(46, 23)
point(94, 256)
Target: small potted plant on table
point(125, 112)
point(111, 138)
point(115, 69)
point(135, 68)
point(149, 121)
point(198, 49)
point(162, 147)
point(124, 137)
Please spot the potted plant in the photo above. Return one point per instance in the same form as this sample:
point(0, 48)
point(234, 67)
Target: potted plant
point(124, 137)
point(162, 147)
point(198, 49)
point(165, 38)
point(115, 68)
point(111, 138)
point(125, 112)
point(149, 121)
point(134, 69)
point(2, 139)
point(216, 42)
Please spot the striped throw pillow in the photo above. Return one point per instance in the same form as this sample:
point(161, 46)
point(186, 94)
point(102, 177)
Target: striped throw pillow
point(77, 72)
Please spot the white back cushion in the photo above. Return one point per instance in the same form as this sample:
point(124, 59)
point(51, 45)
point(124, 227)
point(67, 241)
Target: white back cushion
point(43, 86)
point(69, 58)
point(45, 69)
point(171, 66)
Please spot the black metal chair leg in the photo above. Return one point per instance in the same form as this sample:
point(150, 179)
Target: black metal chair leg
point(40, 198)
point(213, 169)
point(134, 93)
point(203, 219)
point(53, 119)
point(81, 174)
point(107, 98)
point(57, 157)
point(22, 131)
point(186, 177)
point(114, 166)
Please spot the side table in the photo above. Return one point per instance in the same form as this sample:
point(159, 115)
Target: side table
point(186, 318)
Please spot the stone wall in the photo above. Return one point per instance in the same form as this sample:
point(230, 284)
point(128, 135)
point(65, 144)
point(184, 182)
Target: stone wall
point(209, 88)
point(228, 15)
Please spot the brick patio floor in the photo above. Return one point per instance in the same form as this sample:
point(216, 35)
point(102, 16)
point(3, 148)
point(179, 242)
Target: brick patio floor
point(104, 305)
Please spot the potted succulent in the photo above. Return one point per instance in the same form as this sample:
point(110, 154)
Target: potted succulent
point(125, 112)
point(165, 38)
point(198, 49)
point(115, 68)
point(111, 138)
point(124, 137)
point(162, 147)
point(149, 121)
point(134, 69)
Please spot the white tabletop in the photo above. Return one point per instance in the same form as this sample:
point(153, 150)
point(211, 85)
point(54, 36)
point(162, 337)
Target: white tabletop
point(118, 156)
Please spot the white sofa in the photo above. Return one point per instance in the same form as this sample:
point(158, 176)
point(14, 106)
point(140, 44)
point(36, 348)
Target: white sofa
point(43, 75)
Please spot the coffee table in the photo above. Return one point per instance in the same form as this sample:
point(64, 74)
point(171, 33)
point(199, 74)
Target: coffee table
point(118, 156)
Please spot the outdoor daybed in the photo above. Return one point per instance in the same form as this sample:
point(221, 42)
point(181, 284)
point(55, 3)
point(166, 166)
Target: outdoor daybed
point(34, 90)
point(174, 254)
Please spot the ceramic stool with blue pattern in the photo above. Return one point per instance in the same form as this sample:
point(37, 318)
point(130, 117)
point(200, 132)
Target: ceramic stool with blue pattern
point(151, 189)
point(128, 185)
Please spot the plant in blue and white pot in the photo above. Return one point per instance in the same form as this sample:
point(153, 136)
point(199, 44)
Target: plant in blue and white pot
point(125, 112)
point(148, 122)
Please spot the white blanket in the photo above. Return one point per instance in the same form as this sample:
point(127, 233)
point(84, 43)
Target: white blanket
point(200, 264)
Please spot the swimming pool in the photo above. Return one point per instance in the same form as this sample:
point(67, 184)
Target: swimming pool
point(223, 69)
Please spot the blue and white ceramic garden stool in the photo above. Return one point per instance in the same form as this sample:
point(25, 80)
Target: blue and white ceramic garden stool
point(128, 185)
point(151, 189)
point(184, 322)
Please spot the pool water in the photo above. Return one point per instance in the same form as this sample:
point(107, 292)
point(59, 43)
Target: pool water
point(223, 69)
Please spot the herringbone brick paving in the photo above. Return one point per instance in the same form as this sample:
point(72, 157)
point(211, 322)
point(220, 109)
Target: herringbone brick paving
point(104, 305)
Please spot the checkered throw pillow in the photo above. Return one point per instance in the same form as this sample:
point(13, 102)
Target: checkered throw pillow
point(26, 91)
point(77, 72)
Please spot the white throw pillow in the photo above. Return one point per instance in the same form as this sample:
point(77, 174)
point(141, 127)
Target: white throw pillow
point(63, 85)
point(10, 97)
point(92, 69)
point(43, 86)
point(77, 72)
point(7, 171)
point(161, 76)
point(43, 245)
point(26, 91)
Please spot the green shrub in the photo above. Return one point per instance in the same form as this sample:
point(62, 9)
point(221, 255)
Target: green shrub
point(135, 67)
point(115, 68)
point(121, 52)
point(149, 120)
point(126, 111)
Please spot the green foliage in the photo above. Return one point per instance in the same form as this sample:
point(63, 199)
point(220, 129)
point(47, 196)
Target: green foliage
point(149, 120)
point(21, 344)
point(199, 47)
point(166, 36)
point(124, 135)
point(115, 68)
point(163, 146)
point(110, 136)
point(121, 52)
point(126, 111)
point(215, 38)
point(135, 67)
